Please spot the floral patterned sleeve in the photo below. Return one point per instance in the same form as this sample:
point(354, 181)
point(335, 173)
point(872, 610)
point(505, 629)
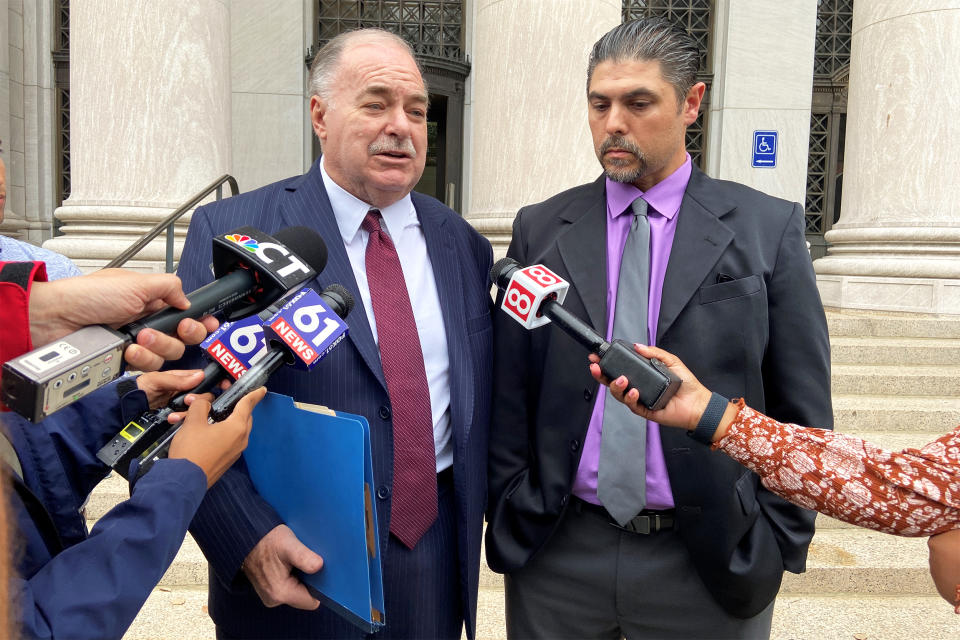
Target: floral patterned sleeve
point(912, 493)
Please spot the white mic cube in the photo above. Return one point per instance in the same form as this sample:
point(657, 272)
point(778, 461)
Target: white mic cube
point(527, 290)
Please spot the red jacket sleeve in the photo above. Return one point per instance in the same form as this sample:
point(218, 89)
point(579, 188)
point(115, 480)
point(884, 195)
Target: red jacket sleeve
point(16, 279)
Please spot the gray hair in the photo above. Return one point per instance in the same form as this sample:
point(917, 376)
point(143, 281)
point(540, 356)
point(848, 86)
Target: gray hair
point(653, 39)
point(326, 62)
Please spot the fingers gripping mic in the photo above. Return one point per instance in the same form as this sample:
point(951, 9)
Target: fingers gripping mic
point(532, 296)
point(253, 270)
point(301, 333)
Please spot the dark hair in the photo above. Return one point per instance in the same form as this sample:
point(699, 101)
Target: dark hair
point(652, 39)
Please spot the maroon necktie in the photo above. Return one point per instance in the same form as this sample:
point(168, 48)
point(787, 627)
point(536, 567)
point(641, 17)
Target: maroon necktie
point(414, 502)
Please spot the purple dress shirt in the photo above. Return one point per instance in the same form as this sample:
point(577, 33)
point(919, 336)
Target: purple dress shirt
point(664, 200)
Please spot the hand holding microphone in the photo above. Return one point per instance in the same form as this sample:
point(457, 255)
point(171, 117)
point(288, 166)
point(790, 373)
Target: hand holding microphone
point(214, 448)
point(533, 295)
point(111, 297)
point(300, 334)
point(253, 270)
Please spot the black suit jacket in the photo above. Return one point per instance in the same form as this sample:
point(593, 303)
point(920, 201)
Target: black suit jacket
point(233, 517)
point(761, 335)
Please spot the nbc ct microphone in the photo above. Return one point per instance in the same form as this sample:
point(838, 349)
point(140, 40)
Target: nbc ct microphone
point(301, 333)
point(532, 296)
point(253, 270)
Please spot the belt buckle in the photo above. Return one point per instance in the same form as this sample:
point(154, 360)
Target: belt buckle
point(641, 524)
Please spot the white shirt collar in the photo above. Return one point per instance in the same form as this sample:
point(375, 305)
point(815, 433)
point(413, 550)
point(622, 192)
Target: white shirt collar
point(350, 211)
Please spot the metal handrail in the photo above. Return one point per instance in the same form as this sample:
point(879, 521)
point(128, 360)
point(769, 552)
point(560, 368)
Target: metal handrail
point(167, 223)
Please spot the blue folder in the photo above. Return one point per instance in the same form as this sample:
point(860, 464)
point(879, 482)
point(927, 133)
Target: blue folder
point(314, 467)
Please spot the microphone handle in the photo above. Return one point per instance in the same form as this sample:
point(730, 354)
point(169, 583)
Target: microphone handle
point(256, 376)
point(574, 326)
point(213, 373)
point(206, 300)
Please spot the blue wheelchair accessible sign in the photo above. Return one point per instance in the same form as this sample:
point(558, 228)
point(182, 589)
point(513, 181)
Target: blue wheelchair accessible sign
point(764, 148)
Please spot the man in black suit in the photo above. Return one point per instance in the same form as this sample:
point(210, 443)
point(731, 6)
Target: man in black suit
point(693, 546)
point(416, 364)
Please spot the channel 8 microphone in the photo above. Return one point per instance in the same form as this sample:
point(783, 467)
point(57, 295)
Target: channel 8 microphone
point(300, 334)
point(252, 269)
point(532, 296)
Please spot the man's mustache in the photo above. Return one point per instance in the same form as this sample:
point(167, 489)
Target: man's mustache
point(390, 144)
point(621, 143)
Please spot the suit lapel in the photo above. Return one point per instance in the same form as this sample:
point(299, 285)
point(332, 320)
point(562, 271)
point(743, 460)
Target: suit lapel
point(305, 202)
point(699, 241)
point(583, 249)
point(446, 271)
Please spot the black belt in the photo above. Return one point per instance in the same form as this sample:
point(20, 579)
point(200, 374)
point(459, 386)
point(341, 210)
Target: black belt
point(646, 522)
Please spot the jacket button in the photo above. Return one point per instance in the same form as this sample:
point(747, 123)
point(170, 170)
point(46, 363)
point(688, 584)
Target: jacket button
point(383, 492)
point(587, 394)
point(574, 445)
point(384, 412)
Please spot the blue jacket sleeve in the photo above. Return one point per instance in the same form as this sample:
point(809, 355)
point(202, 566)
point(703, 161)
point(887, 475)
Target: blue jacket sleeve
point(95, 588)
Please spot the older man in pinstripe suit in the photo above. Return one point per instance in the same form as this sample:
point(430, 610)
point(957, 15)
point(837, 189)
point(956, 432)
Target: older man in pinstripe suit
point(417, 363)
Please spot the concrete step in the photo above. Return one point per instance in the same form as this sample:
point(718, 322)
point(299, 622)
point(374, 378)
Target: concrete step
point(863, 617)
point(842, 559)
point(181, 614)
point(861, 562)
point(895, 412)
point(178, 613)
point(892, 325)
point(875, 380)
point(894, 351)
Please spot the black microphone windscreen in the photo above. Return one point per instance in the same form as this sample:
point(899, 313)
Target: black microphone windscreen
point(306, 243)
point(502, 271)
point(346, 298)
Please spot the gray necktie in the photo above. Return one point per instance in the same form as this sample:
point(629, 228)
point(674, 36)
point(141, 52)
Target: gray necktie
point(621, 482)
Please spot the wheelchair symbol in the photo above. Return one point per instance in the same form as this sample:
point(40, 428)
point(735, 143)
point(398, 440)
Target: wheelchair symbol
point(763, 147)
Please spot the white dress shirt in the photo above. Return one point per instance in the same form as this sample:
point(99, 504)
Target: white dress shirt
point(401, 224)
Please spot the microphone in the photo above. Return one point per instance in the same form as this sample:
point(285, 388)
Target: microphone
point(532, 296)
point(253, 270)
point(230, 348)
point(234, 347)
point(137, 436)
point(300, 334)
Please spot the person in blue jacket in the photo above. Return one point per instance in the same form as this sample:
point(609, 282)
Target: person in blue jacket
point(71, 584)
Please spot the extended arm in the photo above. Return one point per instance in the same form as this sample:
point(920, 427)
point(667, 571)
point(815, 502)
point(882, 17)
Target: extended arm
point(915, 492)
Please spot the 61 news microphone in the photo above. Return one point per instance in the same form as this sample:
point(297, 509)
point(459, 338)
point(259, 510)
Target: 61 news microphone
point(252, 269)
point(234, 347)
point(300, 334)
point(532, 296)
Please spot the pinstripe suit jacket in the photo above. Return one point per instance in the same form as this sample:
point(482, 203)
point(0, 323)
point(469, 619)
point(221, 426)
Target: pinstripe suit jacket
point(233, 518)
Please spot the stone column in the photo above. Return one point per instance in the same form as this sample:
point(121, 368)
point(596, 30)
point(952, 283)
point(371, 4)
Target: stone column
point(528, 136)
point(896, 246)
point(11, 115)
point(270, 133)
point(763, 80)
point(149, 120)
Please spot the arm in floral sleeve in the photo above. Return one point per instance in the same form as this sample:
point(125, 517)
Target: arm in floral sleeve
point(912, 493)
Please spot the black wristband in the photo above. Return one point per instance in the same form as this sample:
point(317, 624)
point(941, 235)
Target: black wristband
point(710, 419)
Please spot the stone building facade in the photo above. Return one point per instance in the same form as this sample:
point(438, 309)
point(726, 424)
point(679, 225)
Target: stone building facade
point(115, 112)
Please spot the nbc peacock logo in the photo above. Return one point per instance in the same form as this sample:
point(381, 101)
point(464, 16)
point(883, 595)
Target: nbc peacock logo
point(244, 241)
